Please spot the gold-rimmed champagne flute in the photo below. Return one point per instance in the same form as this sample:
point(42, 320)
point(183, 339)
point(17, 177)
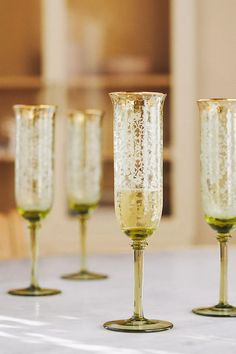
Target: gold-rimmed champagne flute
point(84, 171)
point(34, 170)
point(138, 164)
point(218, 185)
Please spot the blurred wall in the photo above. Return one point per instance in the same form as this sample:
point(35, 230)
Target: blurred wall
point(216, 34)
point(216, 77)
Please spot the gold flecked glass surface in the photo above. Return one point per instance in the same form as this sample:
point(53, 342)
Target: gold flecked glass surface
point(218, 157)
point(84, 156)
point(34, 174)
point(34, 157)
point(218, 185)
point(138, 164)
point(138, 159)
point(84, 172)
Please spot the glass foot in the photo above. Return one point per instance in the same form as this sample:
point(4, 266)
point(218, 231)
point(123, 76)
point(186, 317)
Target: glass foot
point(34, 291)
point(216, 311)
point(84, 275)
point(133, 325)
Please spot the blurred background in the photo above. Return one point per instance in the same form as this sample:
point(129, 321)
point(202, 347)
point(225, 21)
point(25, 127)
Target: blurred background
point(73, 53)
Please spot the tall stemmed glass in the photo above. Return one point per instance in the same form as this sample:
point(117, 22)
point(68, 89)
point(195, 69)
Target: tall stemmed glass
point(138, 159)
point(218, 184)
point(84, 171)
point(34, 170)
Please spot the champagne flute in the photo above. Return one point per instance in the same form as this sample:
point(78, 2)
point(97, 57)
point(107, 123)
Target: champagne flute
point(34, 169)
point(84, 171)
point(138, 164)
point(218, 185)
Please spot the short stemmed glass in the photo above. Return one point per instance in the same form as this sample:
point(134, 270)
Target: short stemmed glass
point(138, 161)
point(218, 185)
point(34, 170)
point(84, 171)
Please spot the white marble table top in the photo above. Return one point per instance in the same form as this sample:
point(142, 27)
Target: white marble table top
point(175, 282)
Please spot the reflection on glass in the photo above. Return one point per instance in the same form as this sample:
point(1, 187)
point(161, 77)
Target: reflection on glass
point(138, 161)
point(84, 170)
point(34, 172)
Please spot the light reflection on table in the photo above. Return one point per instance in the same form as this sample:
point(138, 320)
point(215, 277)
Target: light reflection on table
point(175, 282)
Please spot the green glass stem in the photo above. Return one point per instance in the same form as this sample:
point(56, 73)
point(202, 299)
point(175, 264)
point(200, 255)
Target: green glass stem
point(84, 273)
point(138, 247)
point(138, 323)
point(34, 289)
point(223, 294)
point(223, 308)
point(83, 234)
point(34, 254)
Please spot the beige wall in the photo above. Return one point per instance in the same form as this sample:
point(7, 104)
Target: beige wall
point(216, 61)
point(216, 32)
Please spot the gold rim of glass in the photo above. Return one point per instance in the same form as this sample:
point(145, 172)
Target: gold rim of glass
point(85, 113)
point(138, 93)
point(34, 106)
point(217, 99)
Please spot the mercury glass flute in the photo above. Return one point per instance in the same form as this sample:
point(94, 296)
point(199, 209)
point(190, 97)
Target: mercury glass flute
point(84, 171)
point(138, 162)
point(34, 169)
point(218, 185)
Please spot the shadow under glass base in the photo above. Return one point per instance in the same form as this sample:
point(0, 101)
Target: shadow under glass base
point(216, 311)
point(34, 291)
point(133, 325)
point(84, 275)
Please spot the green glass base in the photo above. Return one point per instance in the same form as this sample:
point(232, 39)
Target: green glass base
point(133, 325)
point(84, 275)
point(34, 291)
point(216, 311)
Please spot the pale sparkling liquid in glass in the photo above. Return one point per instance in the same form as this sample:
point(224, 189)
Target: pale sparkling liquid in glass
point(138, 212)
